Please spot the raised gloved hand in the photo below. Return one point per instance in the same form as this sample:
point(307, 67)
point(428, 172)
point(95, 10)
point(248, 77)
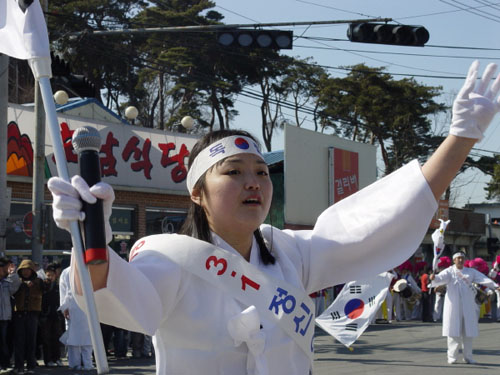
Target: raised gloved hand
point(476, 103)
point(67, 206)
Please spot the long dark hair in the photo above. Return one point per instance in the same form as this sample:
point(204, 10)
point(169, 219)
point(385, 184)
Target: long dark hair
point(196, 223)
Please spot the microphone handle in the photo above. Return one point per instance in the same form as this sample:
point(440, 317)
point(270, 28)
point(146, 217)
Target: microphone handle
point(94, 226)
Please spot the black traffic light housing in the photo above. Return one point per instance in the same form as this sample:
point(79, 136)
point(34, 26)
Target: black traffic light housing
point(382, 33)
point(273, 39)
point(492, 245)
point(74, 84)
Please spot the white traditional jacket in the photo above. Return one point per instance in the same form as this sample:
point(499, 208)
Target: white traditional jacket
point(459, 300)
point(77, 328)
point(367, 233)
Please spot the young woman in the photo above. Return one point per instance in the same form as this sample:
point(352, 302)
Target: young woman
point(230, 296)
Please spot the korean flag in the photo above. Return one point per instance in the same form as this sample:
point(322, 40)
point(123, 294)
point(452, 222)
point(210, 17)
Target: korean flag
point(354, 308)
point(23, 34)
point(438, 240)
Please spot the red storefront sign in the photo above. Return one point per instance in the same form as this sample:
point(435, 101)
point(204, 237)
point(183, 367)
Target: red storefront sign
point(345, 173)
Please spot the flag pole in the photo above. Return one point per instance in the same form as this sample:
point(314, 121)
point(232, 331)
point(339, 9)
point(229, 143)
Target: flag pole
point(77, 252)
point(4, 105)
point(23, 31)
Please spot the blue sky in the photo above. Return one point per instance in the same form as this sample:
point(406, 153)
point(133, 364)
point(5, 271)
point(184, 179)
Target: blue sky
point(460, 32)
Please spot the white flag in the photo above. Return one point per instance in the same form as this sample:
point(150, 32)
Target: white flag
point(354, 308)
point(23, 34)
point(438, 240)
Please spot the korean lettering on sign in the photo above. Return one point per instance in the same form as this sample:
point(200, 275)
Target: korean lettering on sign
point(179, 172)
point(346, 185)
point(136, 153)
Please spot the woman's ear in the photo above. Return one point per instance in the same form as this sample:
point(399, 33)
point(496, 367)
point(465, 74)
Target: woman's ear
point(196, 196)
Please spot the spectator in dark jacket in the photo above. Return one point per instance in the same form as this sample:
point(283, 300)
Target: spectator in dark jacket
point(27, 308)
point(50, 320)
point(9, 284)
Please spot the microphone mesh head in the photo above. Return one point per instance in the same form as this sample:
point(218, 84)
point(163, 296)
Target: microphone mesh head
point(86, 138)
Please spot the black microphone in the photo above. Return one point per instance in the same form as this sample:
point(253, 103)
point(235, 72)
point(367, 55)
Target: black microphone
point(87, 144)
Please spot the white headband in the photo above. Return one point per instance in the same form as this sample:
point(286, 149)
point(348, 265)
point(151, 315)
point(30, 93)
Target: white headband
point(223, 148)
point(458, 254)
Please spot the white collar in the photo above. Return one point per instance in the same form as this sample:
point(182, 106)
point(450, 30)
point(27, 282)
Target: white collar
point(254, 251)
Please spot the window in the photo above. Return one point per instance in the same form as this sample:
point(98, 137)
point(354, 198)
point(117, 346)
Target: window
point(163, 220)
point(122, 224)
point(19, 224)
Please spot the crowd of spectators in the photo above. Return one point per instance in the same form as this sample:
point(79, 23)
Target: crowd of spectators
point(41, 324)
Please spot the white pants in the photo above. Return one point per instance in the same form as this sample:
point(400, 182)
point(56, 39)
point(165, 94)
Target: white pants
point(438, 307)
point(80, 355)
point(402, 307)
point(398, 302)
point(498, 304)
point(454, 344)
point(416, 311)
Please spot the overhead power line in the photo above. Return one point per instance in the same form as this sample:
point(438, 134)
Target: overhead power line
point(402, 53)
point(474, 11)
point(327, 39)
point(483, 150)
point(465, 8)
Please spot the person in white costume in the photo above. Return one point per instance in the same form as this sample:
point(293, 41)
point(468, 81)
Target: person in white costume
point(381, 315)
point(225, 327)
point(404, 307)
point(77, 334)
point(495, 275)
point(440, 292)
point(461, 313)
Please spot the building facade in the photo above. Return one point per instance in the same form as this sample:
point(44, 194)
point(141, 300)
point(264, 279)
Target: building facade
point(146, 167)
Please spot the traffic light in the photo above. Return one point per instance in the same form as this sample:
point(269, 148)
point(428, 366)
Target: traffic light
point(382, 33)
point(492, 245)
point(274, 39)
point(75, 85)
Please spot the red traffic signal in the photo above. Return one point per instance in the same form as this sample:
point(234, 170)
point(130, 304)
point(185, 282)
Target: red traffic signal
point(382, 33)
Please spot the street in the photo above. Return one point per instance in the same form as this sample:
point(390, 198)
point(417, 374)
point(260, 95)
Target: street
point(405, 348)
point(396, 348)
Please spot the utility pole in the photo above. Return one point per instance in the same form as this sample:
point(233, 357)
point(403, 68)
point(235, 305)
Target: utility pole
point(37, 196)
point(38, 186)
point(4, 198)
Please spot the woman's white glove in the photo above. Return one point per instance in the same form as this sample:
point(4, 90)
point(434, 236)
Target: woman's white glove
point(474, 107)
point(67, 204)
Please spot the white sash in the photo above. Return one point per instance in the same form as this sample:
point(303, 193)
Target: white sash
point(469, 283)
point(278, 300)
